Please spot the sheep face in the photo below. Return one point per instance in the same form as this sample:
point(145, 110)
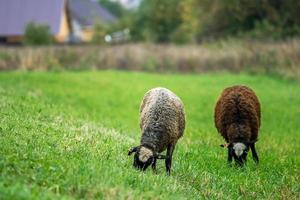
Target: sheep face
point(239, 152)
point(143, 157)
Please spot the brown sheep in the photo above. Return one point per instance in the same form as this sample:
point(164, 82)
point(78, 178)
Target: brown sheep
point(162, 122)
point(237, 119)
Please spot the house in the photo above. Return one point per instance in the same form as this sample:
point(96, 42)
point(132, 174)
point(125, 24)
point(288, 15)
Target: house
point(16, 14)
point(84, 15)
point(67, 19)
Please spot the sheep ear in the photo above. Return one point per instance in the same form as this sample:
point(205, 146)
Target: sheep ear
point(226, 145)
point(132, 150)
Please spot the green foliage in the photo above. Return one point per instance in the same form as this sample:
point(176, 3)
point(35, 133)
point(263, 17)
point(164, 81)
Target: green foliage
point(114, 7)
point(264, 30)
point(157, 20)
point(181, 36)
point(37, 34)
point(190, 11)
point(196, 20)
point(66, 135)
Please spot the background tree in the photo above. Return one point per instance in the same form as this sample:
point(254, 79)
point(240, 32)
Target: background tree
point(114, 7)
point(156, 20)
point(183, 21)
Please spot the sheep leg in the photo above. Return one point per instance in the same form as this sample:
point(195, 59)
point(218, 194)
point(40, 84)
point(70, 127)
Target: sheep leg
point(170, 150)
point(254, 154)
point(154, 166)
point(229, 159)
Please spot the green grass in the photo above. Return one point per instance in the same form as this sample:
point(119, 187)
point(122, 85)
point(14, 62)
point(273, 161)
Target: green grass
point(66, 135)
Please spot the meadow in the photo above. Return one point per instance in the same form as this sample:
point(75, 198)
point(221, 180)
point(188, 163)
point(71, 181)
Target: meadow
point(65, 135)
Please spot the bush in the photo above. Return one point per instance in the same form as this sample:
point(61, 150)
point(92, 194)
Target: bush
point(100, 31)
point(37, 34)
point(181, 36)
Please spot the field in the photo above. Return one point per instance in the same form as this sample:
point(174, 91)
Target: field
point(65, 135)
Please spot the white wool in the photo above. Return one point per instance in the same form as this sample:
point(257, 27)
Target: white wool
point(239, 148)
point(145, 154)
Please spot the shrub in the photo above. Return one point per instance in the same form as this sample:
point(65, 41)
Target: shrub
point(100, 31)
point(263, 30)
point(181, 36)
point(37, 34)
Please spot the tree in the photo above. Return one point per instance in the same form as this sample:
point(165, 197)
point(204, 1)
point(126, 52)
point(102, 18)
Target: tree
point(114, 7)
point(184, 21)
point(156, 20)
point(231, 17)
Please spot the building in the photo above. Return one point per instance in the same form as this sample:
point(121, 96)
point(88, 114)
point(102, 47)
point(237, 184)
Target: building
point(84, 14)
point(68, 20)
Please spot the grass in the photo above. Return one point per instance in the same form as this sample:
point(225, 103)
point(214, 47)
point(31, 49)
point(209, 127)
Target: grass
point(66, 135)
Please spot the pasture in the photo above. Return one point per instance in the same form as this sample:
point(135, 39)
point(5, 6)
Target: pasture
point(66, 135)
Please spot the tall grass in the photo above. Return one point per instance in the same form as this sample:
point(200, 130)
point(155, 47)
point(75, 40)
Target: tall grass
point(235, 56)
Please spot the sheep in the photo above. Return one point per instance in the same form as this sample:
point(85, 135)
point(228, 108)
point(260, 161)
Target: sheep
point(237, 119)
point(162, 122)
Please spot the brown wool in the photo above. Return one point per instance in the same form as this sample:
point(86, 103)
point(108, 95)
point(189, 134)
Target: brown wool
point(237, 114)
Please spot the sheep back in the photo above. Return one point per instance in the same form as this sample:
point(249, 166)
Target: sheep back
point(237, 114)
point(162, 118)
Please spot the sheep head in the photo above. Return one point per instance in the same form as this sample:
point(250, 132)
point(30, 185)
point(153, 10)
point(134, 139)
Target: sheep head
point(239, 151)
point(144, 157)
